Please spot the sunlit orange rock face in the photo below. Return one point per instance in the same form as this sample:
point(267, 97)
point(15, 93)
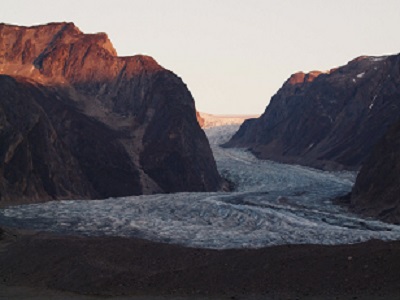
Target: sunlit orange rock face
point(77, 121)
point(301, 77)
point(60, 50)
point(200, 119)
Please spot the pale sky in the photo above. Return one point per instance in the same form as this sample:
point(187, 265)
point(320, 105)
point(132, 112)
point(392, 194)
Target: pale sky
point(233, 55)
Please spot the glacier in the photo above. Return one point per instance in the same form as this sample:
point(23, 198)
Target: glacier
point(273, 204)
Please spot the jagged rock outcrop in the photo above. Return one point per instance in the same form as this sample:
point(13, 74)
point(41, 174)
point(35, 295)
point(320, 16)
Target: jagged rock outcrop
point(376, 192)
point(77, 121)
point(327, 120)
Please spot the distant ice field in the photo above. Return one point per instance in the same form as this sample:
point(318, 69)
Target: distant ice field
point(273, 204)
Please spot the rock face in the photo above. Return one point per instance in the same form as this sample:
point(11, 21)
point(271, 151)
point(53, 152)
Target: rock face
point(327, 120)
point(376, 192)
point(77, 121)
point(200, 119)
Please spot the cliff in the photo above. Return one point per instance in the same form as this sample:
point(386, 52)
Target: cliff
point(377, 188)
point(328, 120)
point(77, 121)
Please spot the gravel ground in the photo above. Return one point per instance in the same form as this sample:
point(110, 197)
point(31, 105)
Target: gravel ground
point(43, 266)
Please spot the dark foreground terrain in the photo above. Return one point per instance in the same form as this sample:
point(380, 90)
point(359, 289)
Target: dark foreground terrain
point(43, 266)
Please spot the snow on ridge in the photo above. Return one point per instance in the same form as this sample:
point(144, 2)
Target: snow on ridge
point(378, 58)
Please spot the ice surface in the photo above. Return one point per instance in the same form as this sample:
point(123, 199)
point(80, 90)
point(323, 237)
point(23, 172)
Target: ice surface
point(273, 204)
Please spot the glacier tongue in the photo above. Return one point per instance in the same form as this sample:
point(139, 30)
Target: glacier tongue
point(273, 204)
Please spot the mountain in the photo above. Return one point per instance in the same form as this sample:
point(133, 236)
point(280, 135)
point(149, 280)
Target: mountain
point(377, 188)
point(200, 119)
point(77, 121)
point(328, 120)
point(210, 120)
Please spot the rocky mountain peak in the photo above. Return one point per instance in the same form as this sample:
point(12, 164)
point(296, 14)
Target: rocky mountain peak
point(328, 120)
point(101, 40)
point(53, 52)
point(122, 125)
point(301, 77)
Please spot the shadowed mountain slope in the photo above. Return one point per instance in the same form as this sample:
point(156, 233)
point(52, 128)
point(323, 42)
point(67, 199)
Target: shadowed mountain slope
point(376, 192)
point(77, 121)
point(327, 120)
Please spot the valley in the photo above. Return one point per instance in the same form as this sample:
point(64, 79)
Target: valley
point(272, 204)
point(118, 180)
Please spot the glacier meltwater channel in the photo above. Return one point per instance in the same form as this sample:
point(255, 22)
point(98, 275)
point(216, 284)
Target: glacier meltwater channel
point(273, 204)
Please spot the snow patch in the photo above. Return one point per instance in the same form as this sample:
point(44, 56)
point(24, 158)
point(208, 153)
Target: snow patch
point(361, 75)
point(372, 102)
point(378, 58)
